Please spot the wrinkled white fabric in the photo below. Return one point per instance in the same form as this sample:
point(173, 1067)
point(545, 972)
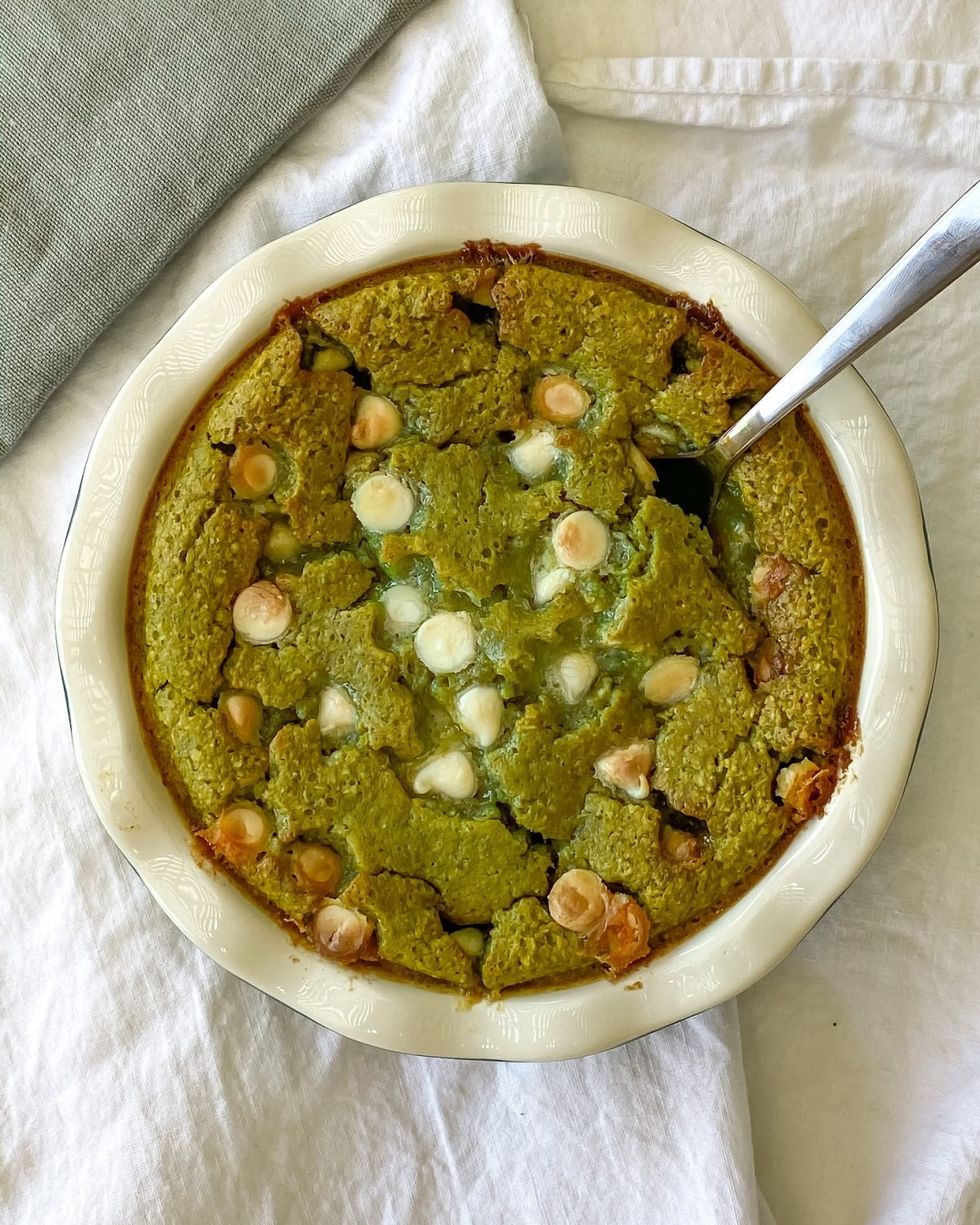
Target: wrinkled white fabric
point(821, 139)
point(141, 1083)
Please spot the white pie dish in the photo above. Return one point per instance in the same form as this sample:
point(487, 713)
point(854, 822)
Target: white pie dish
point(727, 955)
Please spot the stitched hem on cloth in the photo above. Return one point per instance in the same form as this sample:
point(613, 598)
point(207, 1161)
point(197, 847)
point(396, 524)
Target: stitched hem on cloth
point(907, 80)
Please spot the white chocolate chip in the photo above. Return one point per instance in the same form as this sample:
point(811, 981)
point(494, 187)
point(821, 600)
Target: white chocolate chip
point(560, 398)
point(405, 609)
point(550, 583)
point(243, 714)
point(805, 787)
point(789, 777)
point(483, 292)
point(446, 642)
point(336, 714)
point(317, 868)
point(534, 453)
point(645, 472)
point(341, 933)
point(330, 359)
point(261, 613)
point(580, 540)
point(771, 575)
point(240, 833)
point(627, 769)
point(376, 422)
point(470, 940)
point(382, 503)
point(252, 471)
point(480, 713)
point(281, 544)
point(680, 845)
point(575, 674)
point(625, 933)
point(659, 437)
point(449, 774)
point(670, 679)
point(578, 901)
point(246, 824)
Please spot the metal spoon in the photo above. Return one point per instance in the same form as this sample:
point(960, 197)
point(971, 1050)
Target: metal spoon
point(943, 253)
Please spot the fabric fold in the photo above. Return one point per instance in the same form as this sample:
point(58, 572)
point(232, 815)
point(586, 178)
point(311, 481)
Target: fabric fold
point(891, 99)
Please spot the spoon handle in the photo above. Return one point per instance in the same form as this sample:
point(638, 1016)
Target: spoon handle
point(944, 252)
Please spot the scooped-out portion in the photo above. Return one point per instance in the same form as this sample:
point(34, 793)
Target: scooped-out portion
point(431, 669)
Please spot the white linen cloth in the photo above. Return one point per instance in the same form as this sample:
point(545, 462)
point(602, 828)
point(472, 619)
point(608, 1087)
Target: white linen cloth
point(821, 139)
point(140, 1083)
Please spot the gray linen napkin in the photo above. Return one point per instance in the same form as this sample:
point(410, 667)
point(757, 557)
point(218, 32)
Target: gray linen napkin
point(123, 125)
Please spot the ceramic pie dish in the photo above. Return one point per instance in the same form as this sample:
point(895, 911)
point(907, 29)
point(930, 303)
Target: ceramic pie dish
point(722, 958)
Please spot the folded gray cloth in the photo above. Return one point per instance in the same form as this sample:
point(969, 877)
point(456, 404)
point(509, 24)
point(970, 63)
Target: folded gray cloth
point(124, 125)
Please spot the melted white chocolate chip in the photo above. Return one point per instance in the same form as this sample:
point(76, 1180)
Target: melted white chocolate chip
point(627, 770)
point(241, 831)
point(243, 714)
point(560, 398)
point(578, 901)
point(534, 453)
point(341, 933)
point(405, 608)
point(382, 503)
point(281, 544)
point(480, 713)
point(252, 471)
point(376, 422)
point(644, 471)
point(317, 868)
point(450, 774)
point(549, 583)
point(336, 714)
point(470, 940)
point(670, 679)
point(575, 674)
point(580, 540)
point(261, 613)
point(446, 642)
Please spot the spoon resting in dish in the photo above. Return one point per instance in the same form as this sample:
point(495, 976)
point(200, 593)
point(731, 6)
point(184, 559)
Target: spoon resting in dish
point(944, 252)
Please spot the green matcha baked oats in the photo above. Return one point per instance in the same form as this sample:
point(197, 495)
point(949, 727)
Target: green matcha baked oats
point(431, 669)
